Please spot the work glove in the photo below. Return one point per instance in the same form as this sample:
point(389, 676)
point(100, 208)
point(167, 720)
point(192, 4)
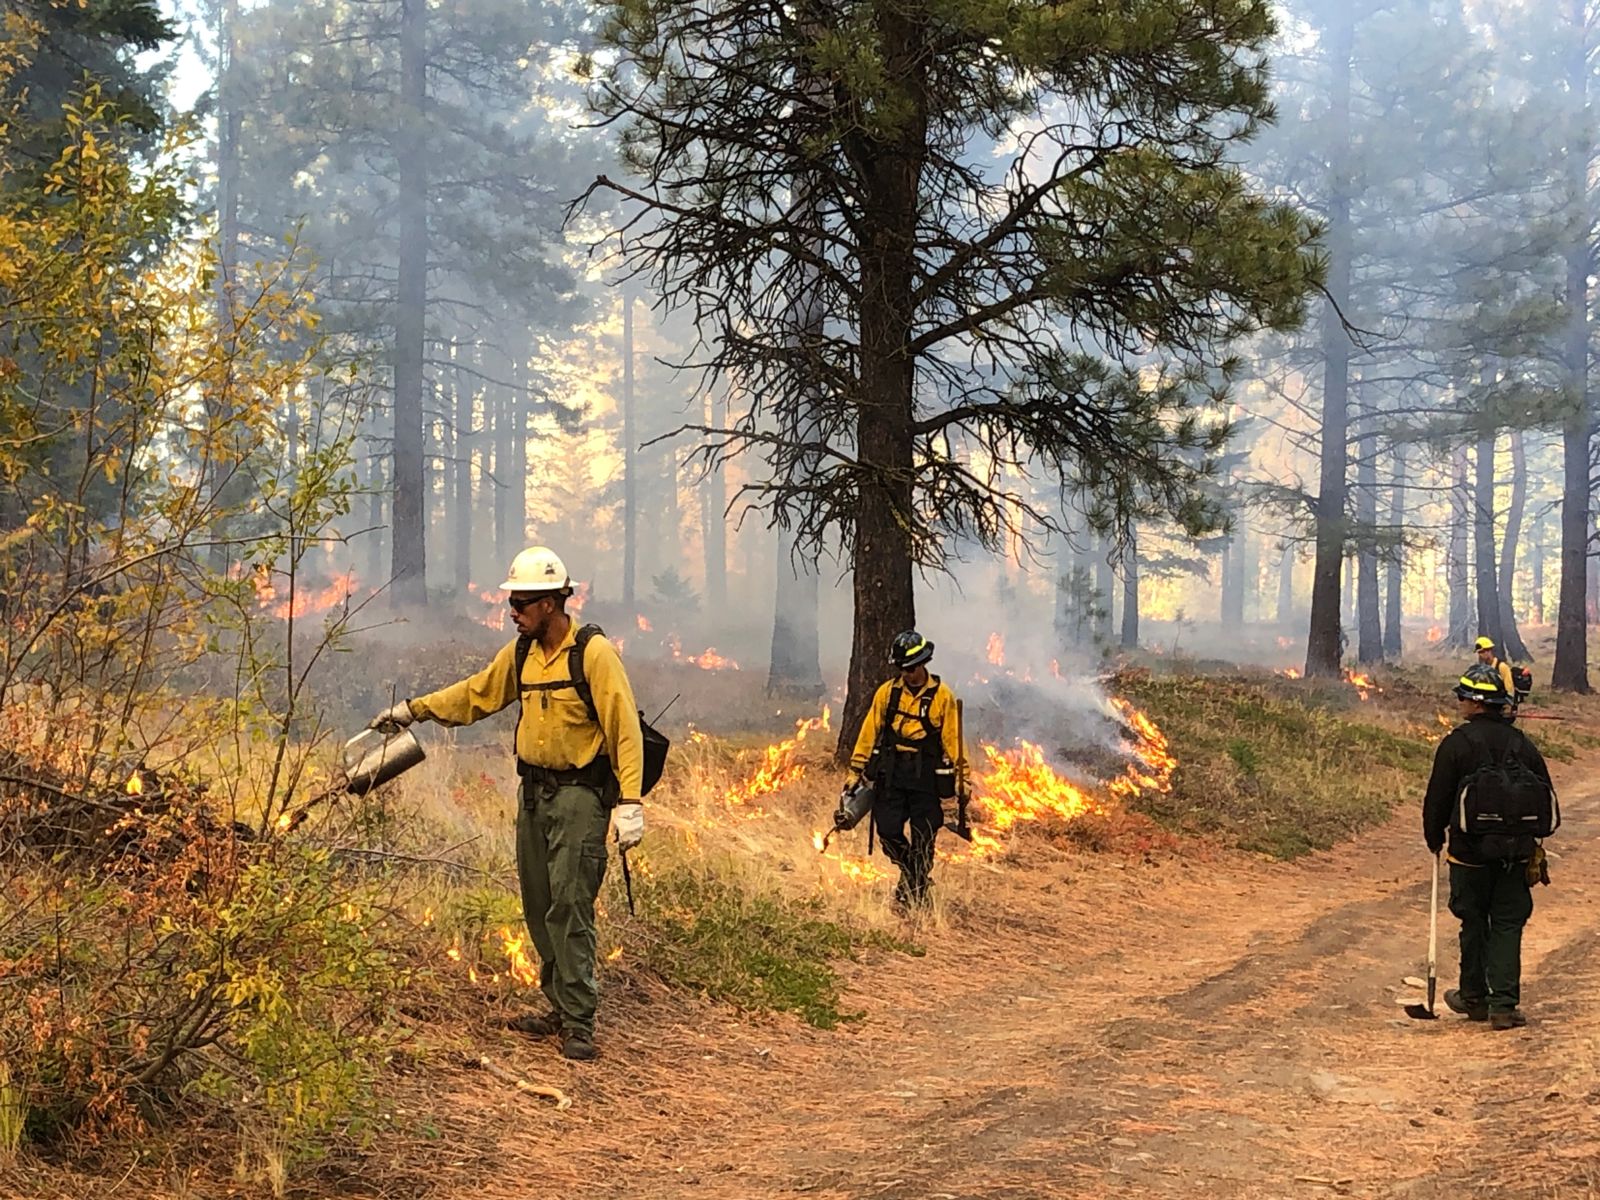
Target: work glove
point(1435, 847)
point(628, 820)
point(396, 716)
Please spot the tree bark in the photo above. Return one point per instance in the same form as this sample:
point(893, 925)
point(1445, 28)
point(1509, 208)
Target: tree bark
point(713, 517)
point(1105, 601)
point(1456, 573)
point(409, 545)
point(1394, 602)
point(1369, 639)
point(376, 490)
point(1233, 581)
point(1285, 609)
point(1536, 569)
point(630, 462)
point(1324, 639)
point(1515, 649)
point(461, 525)
point(885, 601)
point(1130, 594)
point(1570, 671)
point(500, 402)
point(518, 408)
point(1483, 549)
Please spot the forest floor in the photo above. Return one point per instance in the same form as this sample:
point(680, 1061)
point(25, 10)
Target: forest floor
point(1220, 1028)
point(1206, 1022)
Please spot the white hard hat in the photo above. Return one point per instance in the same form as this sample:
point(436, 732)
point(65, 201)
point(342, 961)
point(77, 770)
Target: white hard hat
point(537, 569)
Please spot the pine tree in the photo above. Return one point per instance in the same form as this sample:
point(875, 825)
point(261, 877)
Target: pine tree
point(981, 318)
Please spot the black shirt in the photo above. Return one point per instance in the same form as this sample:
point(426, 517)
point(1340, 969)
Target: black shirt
point(1483, 739)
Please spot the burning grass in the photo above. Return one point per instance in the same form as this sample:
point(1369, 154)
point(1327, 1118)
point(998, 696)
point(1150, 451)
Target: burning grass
point(1275, 772)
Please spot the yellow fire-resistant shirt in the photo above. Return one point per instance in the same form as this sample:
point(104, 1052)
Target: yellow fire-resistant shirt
point(1504, 668)
point(908, 728)
point(555, 731)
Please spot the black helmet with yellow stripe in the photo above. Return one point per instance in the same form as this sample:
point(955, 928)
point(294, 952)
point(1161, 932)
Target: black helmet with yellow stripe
point(1482, 684)
point(910, 649)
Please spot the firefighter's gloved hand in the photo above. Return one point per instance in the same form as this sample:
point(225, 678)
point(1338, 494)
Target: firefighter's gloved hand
point(1435, 847)
point(628, 821)
point(396, 716)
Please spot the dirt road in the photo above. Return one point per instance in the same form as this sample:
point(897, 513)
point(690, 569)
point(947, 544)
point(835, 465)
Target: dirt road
point(1226, 1028)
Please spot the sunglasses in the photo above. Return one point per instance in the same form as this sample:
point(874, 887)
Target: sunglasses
point(521, 602)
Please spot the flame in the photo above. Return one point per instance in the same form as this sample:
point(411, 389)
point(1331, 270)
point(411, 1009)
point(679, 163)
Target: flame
point(454, 953)
point(615, 954)
point(818, 840)
point(1289, 672)
point(1284, 643)
point(712, 661)
point(644, 625)
point(495, 602)
point(427, 916)
point(522, 969)
point(135, 785)
point(1435, 633)
point(777, 767)
point(1018, 785)
point(1362, 683)
point(997, 649)
point(1153, 762)
point(305, 602)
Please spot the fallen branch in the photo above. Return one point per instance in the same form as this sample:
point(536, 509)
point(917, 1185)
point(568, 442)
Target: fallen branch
point(544, 1091)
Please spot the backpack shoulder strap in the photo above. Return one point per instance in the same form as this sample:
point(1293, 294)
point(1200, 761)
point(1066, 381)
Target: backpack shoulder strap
point(524, 644)
point(580, 679)
point(891, 712)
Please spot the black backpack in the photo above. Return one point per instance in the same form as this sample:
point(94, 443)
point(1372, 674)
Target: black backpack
point(656, 743)
point(1522, 682)
point(1506, 799)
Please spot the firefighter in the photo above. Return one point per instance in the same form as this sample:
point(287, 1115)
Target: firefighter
point(907, 748)
point(1490, 890)
point(1502, 669)
point(579, 773)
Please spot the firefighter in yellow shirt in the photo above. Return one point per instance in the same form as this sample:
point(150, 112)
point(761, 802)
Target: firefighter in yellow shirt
point(581, 762)
point(907, 748)
point(1486, 655)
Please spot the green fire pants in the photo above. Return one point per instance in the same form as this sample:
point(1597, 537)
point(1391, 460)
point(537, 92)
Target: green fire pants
point(1493, 903)
point(561, 861)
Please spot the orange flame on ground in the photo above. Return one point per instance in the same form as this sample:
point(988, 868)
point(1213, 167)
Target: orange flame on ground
point(495, 618)
point(712, 661)
point(778, 767)
point(1284, 643)
point(1289, 672)
point(521, 968)
point(1018, 785)
point(1362, 683)
point(997, 649)
point(1435, 633)
point(644, 625)
point(304, 603)
point(135, 785)
point(1153, 761)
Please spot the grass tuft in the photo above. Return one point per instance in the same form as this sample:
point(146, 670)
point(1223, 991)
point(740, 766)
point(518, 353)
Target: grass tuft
point(750, 947)
point(1273, 771)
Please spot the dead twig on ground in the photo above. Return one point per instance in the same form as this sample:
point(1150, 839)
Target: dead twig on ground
point(544, 1091)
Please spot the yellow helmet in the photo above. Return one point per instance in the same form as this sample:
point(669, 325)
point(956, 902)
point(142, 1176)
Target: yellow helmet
point(1484, 643)
point(1482, 684)
point(538, 569)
